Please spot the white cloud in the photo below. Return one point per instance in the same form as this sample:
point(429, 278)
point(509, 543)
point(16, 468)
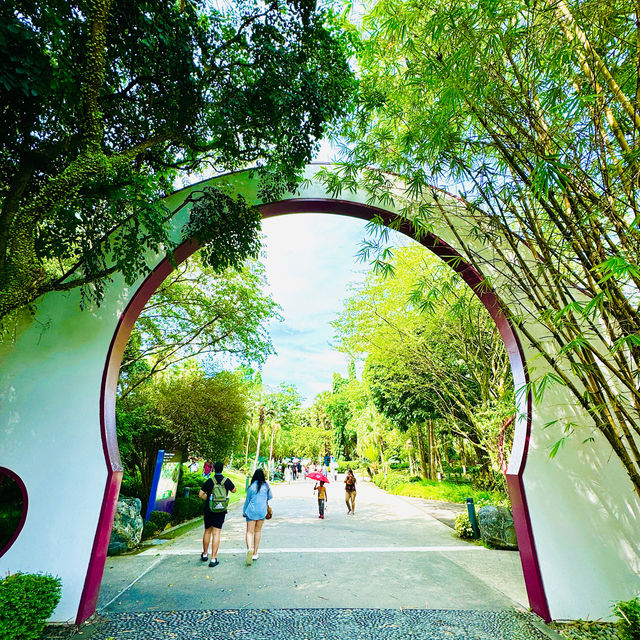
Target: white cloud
point(310, 263)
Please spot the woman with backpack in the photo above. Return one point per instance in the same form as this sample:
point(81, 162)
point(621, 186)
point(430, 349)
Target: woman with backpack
point(255, 512)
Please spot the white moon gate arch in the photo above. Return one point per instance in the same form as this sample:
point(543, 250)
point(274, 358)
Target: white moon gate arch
point(576, 516)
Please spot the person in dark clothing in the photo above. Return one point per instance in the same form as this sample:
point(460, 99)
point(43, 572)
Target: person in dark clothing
point(213, 521)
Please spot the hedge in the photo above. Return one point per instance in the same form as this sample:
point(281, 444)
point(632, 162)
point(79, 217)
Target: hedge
point(26, 603)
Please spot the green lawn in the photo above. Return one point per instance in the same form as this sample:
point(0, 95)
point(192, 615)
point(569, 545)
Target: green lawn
point(398, 484)
point(239, 479)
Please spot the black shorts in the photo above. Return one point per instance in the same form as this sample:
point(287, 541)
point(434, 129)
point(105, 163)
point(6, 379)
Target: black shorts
point(214, 519)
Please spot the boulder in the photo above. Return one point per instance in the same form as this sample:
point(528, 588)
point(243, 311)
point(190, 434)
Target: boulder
point(496, 527)
point(127, 526)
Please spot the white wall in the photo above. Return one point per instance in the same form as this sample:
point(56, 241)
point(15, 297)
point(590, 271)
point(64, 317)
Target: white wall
point(584, 512)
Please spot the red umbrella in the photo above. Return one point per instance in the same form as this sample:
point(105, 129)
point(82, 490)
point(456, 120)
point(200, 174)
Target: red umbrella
point(316, 475)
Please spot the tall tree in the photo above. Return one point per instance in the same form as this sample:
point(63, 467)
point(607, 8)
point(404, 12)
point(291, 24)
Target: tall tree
point(432, 352)
point(530, 112)
point(184, 410)
point(198, 312)
point(104, 102)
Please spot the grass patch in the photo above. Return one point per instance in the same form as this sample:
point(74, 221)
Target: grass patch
point(239, 479)
point(400, 484)
point(586, 630)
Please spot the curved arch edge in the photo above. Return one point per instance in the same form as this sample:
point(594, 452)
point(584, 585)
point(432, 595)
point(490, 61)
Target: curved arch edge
point(25, 507)
point(522, 521)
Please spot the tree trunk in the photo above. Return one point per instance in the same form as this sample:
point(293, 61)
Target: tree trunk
point(260, 423)
point(273, 432)
point(421, 451)
point(432, 450)
point(246, 451)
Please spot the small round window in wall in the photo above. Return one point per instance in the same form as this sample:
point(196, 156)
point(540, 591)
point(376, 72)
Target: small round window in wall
point(13, 508)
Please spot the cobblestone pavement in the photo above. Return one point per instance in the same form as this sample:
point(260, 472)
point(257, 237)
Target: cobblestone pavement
point(315, 624)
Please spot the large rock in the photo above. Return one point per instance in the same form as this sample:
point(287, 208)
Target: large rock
point(127, 526)
point(496, 527)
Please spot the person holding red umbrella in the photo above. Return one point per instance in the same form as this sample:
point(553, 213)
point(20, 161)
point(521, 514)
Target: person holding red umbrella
point(322, 497)
point(321, 489)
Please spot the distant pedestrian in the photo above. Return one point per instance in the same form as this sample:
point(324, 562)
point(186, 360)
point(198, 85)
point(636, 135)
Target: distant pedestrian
point(255, 511)
point(322, 498)
point(294, 470)
point(350, 492)
point(193, 464)
point(206, 469)
point(333, 465)
point(215, 491)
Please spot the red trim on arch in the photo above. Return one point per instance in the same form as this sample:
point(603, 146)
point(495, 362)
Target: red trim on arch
point(528, 554)
point(25, 506)
point(91, 589)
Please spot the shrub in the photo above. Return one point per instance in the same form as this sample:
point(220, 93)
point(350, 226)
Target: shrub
point(462, 526)
point(131, 486)
point(187, 508)
point(343, 465)
point(26, 602)
point(191, 480)
point(156, 523)
point(487, 480)
point(628, 612)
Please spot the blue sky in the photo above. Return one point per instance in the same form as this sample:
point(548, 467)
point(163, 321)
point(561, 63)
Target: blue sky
point(311, 262)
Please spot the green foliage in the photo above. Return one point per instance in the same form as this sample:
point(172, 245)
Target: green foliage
point(131, 486)
point(628, 612)
point(432, 353)
point(399, 484)
point(187, 508)
point(462, 526)
point(104, 104)
point(228, 228)
point(199, 313)
point(488, 480)
point(528, 114)
point(26, 602)
point(183, 411)
point(156, 523)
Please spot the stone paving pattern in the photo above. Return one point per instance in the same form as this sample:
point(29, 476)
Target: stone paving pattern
point(392, 571)
point(315, 624)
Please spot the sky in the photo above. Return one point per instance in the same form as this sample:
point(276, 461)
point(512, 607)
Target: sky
point(311, 261)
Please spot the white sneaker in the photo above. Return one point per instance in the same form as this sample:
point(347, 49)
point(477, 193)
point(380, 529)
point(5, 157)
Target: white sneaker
point(255, 557)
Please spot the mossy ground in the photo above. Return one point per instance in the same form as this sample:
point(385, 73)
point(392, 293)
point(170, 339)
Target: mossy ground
point(586, 630)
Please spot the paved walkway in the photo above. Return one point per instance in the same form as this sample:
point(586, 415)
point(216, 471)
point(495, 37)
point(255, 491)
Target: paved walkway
point(387, 570)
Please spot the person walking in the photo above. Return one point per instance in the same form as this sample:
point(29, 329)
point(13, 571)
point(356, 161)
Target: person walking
point(255, 511)
point(333, 465)
point(322, 498)
point(214, 514)
point(206, 469)
point(350, 492)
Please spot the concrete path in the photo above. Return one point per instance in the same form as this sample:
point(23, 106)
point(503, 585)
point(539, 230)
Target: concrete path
point(390, 555)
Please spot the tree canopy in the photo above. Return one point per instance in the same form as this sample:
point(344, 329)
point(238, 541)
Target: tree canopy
point(431, 350)
point(104, 102)
point(197, 312)
point(528, 111)
point(184, 410)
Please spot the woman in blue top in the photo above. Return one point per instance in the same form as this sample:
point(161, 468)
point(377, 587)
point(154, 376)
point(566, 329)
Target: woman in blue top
point(255, 511)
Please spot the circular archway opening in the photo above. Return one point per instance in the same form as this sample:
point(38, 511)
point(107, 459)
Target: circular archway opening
point(13, 508)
